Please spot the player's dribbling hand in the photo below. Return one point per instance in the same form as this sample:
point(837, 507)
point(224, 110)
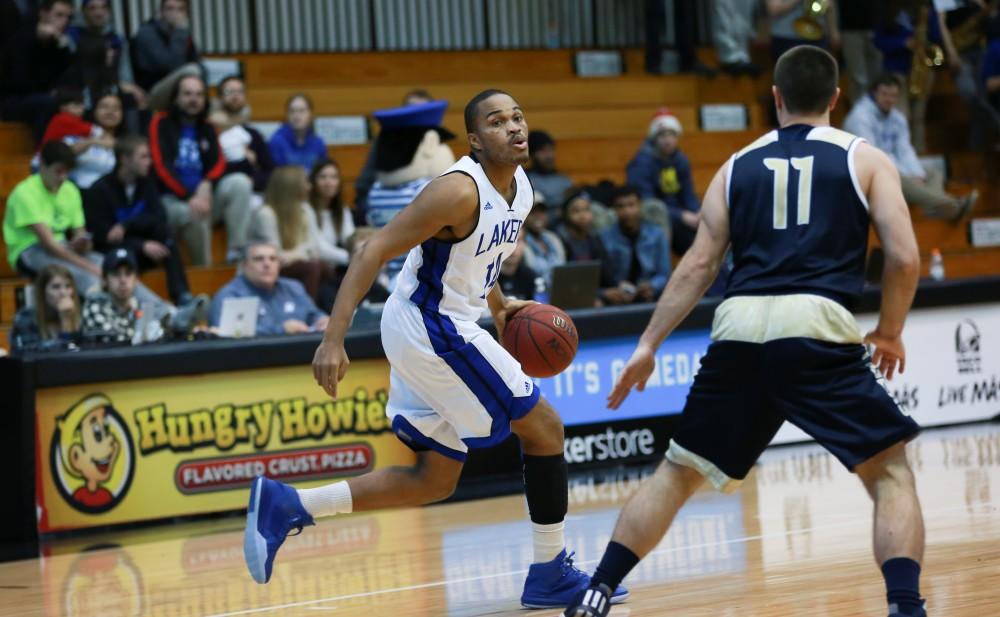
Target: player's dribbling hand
point(887, 353)
point(510, 307)
point(636, 372)
point(330, 365)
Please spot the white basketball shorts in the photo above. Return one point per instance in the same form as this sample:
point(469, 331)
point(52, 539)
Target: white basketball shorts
point(452, 386)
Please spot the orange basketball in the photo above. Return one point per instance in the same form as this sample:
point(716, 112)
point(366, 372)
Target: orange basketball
point(542, 338)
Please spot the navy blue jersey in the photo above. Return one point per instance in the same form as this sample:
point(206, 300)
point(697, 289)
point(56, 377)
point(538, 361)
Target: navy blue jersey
point(797, 216)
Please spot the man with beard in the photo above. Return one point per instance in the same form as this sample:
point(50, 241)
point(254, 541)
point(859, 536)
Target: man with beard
point(189, 165)
point(243, 146)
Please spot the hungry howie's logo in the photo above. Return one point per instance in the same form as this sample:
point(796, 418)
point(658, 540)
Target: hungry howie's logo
point(967, 347)
point(92, 455)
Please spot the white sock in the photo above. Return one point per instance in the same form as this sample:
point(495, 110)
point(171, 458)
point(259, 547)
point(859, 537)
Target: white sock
point(327, 500)
point(548, 540)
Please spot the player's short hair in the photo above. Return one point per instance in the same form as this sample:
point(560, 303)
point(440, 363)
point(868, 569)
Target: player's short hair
point(806, 77)
point(57, 152)
point(472, 108)
point(625, 190)
point(885, 79)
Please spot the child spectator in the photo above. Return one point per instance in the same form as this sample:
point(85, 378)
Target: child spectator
point(296, 142)
point(98, 158)
point(53, 322)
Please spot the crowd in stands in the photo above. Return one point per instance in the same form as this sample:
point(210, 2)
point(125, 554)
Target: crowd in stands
point(135, 165)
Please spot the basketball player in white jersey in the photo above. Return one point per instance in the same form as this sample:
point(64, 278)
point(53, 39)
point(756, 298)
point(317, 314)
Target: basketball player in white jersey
point(452, 385)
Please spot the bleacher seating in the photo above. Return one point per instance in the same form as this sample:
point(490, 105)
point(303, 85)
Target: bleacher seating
point(598, 124)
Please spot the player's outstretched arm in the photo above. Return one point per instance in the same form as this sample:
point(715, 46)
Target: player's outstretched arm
point(448, 201)
point(891, 219)
point(694, 274)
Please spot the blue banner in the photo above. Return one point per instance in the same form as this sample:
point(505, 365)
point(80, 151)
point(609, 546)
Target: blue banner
point(580, 392)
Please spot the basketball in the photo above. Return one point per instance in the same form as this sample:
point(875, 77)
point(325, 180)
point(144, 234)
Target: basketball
point(542, 338)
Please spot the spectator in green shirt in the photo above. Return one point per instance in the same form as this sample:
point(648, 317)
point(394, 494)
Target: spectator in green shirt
point(44, 224)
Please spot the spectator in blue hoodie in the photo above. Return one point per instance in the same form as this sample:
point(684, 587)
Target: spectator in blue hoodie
point(296, 143)
point(661, 171)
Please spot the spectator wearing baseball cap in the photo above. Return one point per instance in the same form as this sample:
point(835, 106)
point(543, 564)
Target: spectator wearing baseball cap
point(660, 171)
point(544, 177)
point(111, 315)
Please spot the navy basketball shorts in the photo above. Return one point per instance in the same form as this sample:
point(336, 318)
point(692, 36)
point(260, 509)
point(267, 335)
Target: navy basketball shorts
point(744, 391)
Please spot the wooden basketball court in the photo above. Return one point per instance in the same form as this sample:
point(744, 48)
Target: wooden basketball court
point(794, 541)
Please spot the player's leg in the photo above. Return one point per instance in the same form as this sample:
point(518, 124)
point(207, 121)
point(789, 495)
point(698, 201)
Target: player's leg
point(433, 478)
point(899, 527)
point(552, 579)
point(275, 508)
point(720, 435)
point(835, 395)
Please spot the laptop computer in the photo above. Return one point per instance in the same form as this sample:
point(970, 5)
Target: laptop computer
point(239, 317)
point(574, 285)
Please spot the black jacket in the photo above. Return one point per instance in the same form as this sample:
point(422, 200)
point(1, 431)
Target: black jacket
point(31, 66)
point(260, 172)
point(105, 204)
point(164, 137)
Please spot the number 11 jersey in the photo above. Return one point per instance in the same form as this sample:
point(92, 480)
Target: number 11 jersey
point(798, 217)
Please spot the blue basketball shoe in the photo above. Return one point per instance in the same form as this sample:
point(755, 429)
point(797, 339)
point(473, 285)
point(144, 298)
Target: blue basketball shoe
point(274, 510)
point(556, 583)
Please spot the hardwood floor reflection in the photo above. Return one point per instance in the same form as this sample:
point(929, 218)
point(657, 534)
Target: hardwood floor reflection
point(794, 541)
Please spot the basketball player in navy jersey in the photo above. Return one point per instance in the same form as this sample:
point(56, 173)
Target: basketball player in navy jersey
point(794, 206)
point(452, 386)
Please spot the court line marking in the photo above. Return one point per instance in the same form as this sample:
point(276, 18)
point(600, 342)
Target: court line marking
point(673, 549)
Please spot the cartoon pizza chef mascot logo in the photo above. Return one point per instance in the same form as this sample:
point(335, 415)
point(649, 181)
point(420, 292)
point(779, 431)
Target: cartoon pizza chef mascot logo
point(92, 455)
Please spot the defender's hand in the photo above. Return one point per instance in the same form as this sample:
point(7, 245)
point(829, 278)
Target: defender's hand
point(888, 353)
point(330, 365)
point(636, 372)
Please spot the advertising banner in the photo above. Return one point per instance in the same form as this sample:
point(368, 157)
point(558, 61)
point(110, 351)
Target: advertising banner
point(952, 366)
point(580, 392)
point(136, 450)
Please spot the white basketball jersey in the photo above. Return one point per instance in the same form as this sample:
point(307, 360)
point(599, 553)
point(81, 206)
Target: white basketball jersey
point(454, 278)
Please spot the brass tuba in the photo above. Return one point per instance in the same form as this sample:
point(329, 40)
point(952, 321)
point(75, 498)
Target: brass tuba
point(810, 25)
point(926, 55)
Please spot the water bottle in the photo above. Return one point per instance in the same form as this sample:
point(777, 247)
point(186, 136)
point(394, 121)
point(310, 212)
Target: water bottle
point(937, 265)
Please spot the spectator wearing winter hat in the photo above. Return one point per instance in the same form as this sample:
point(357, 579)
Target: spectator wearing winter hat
point(543, 175)
point(661, 171)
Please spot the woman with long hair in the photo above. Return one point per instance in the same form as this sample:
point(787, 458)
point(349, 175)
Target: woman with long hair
point(99, 159)
point(296, 142)
point(336, 223)
point(288, 221)
point(53, 323)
